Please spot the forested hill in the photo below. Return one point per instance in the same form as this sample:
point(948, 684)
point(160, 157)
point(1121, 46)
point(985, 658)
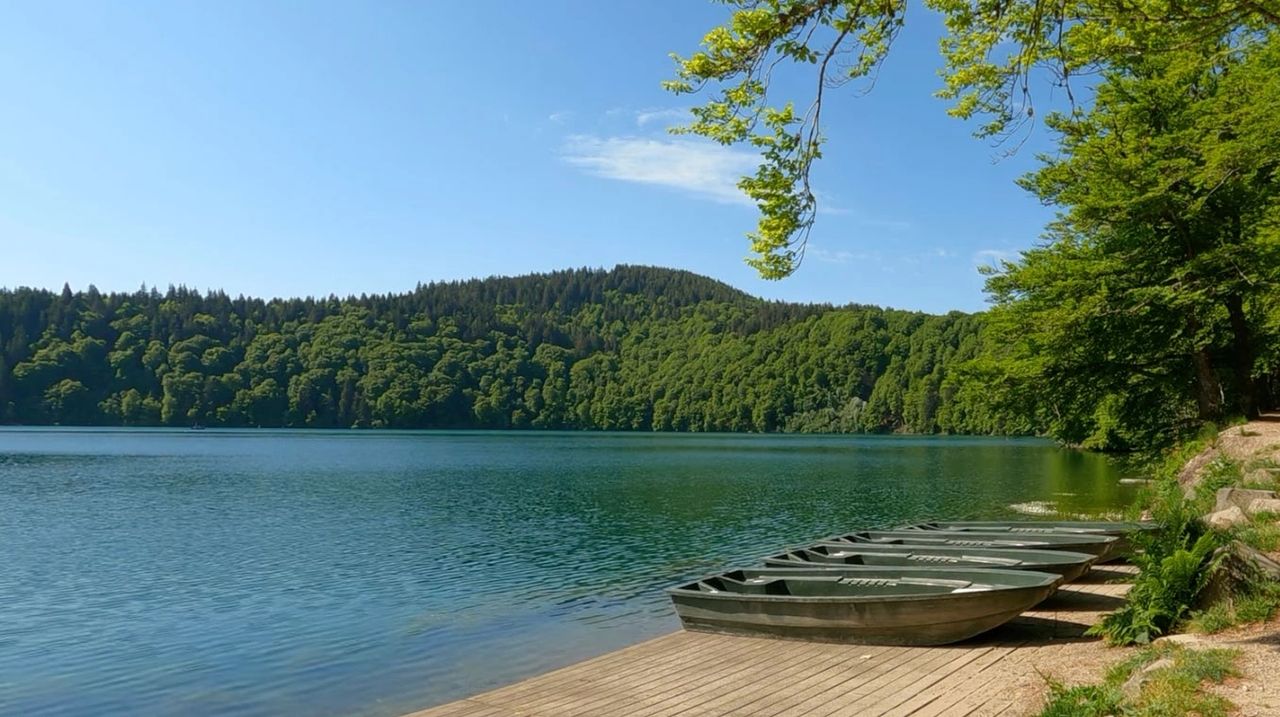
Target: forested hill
point(634, 348)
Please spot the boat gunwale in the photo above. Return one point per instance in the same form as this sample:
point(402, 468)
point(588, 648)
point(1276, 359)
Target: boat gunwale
point(1048, 557)
point(1049, 580)
point(1083, 538)
point(1109, 528)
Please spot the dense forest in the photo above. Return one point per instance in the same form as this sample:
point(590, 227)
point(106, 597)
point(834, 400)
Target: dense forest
point(633, 348)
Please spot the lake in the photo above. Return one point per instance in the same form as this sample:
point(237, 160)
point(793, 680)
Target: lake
point(179, 572)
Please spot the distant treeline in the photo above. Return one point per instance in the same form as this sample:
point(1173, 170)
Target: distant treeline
point(634, 348)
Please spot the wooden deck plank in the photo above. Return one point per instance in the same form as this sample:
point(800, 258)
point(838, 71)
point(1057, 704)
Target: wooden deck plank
point(658, 665)
point(878, 697)
point(936, 698)
point(564, 699)
point(689, 674)
point(788, 659)
point(853, 664)
point(656, 648)
point(812, 663)
point(709, 672)
point(823, 703)
point(895, 693)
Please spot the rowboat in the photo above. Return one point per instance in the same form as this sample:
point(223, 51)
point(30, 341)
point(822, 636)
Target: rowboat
point(1099, 545)
point(1118, 529)
point(1092, 527)
point(856, 604)
point(1067, 564)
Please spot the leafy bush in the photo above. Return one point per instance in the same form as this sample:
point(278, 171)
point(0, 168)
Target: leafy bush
point(1175, 563)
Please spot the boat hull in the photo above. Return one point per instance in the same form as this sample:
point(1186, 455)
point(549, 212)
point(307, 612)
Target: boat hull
point(1103, 546)
point(1067, 564)
point(1092, 527)
point(881, 620)
point(1121, 530)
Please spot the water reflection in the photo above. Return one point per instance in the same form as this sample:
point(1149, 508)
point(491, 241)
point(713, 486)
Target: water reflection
point(276, 572)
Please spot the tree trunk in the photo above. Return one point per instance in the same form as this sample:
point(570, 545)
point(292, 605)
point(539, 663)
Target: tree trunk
point(1242, 356)
point(1208, 389)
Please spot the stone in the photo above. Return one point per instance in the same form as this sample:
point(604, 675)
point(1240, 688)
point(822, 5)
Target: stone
point(1193, 471)
point(1262, 476)
point(1133, 686)
point(1240, 498)
point(1255, 559)
point(1228, 518)
point(1264, 505)
point(1184, 639)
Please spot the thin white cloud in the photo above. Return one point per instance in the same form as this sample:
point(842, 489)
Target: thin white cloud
point(701, 168)
point(994, 257)
point(560, 117)
point(840, 256)
point(669, 116)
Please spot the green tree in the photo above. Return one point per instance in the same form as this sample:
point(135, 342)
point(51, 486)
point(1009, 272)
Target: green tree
point(992, 51)
point(1142, 309)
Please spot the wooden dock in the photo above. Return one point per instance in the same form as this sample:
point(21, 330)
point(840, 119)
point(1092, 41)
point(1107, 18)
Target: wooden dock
point(689, 674)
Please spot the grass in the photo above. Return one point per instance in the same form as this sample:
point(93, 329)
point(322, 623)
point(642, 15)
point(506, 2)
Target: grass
point(1171, 691)
point(1258, 601)
point(1219, 473)
point(1215, 618)
point(1263, 533)
point(1261, 473)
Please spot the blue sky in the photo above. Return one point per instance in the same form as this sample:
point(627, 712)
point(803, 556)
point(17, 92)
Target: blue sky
point(290, 148)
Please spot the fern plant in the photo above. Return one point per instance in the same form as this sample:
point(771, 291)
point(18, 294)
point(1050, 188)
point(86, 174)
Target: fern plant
point(1176, 563)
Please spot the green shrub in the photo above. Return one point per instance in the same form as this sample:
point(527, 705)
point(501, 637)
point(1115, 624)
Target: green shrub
point(1175, 564)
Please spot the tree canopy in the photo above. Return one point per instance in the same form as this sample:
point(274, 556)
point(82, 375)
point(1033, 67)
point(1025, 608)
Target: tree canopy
point(994, 54)
point(633, 348)
point(1151, 304)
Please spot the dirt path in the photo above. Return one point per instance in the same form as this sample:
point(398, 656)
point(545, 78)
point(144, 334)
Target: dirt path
point(1256, 693)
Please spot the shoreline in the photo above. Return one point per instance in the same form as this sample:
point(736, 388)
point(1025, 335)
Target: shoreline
point(704, 673)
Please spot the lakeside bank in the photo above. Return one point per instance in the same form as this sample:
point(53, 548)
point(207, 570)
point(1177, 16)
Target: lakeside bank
point(1008, 671)
point(689, 673)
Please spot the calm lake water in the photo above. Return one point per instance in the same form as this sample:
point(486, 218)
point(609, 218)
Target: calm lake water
point(332, 573)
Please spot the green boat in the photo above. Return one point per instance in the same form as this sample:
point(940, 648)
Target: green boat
point(1092, 527)
point(1118, 529)
point(856, 604)
point(1067, 564)
point(1100, 545)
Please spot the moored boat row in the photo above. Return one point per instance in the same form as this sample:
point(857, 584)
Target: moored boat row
point(1067, 564)
point(925, 584)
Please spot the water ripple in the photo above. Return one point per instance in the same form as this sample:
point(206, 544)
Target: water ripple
point(325, 573)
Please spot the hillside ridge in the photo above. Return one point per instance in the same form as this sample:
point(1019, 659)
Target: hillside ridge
point(630, 348)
